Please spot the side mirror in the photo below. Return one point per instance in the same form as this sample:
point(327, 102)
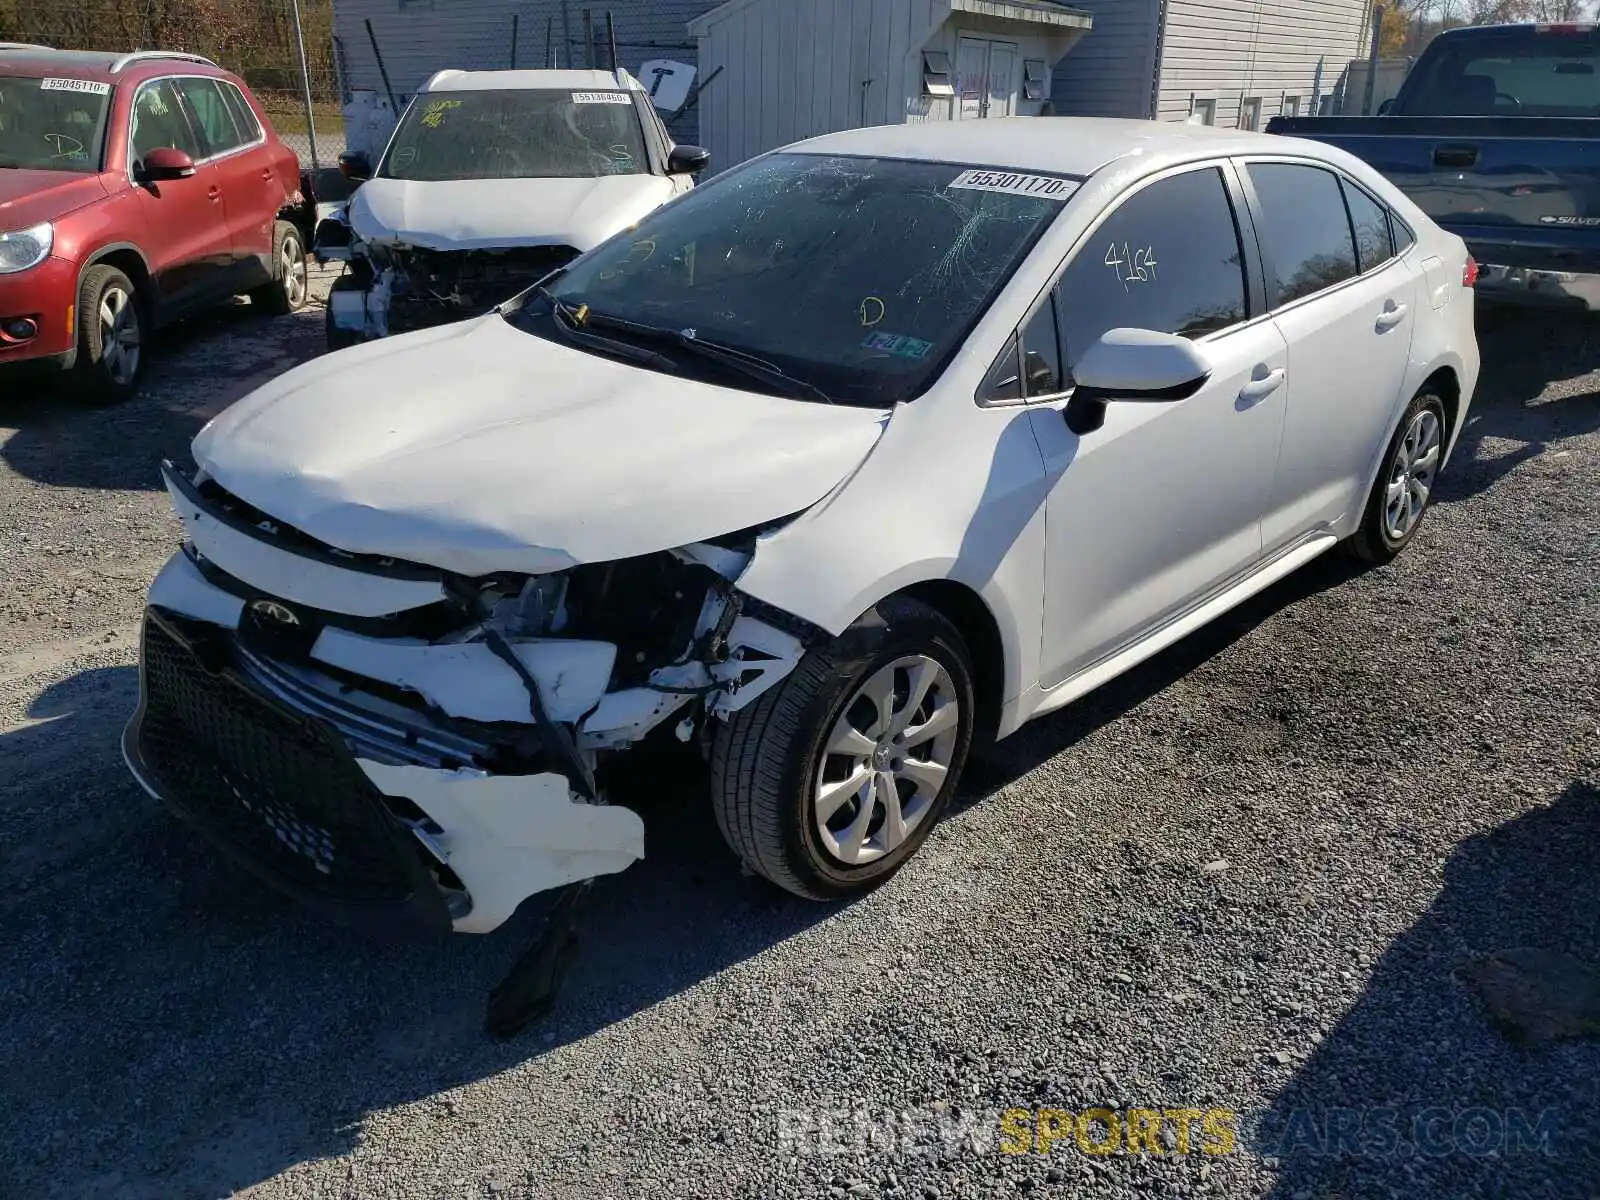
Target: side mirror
point(355, 166)
point(1133, 366)
point(688, 160)
point(166, 162)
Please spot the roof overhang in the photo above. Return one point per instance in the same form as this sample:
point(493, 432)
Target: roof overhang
point(1030, 12)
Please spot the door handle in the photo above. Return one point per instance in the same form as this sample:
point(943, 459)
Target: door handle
point(213, 193)
point(267, 174)
point(1391, 315)
point(1262, 386)
point(1455, 156)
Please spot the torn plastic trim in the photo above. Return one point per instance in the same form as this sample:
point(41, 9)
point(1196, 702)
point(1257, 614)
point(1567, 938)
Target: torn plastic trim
point(507, 837)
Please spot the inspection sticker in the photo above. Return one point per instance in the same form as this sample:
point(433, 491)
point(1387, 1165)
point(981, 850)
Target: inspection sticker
point(600, 98)
point(1050, 187)
point(93, 87)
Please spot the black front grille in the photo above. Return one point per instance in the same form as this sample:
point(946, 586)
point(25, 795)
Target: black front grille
point(277, 789)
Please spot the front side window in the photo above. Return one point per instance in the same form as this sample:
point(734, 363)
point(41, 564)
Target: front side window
point(211, 111)
point(1371, 223)
point(159, 121)
point(1304, 228)
point(1168, 259)
point(860, 277)
point(543, 133)
point(52, 124)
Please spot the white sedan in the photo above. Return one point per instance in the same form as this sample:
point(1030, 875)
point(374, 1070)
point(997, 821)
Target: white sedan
point(857, 457)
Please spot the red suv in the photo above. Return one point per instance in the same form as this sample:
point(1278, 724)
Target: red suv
point(134, 189)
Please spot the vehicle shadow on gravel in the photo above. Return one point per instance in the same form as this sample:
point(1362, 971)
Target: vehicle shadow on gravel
point(197, 368)
point(1523, 352)
point(170, 1028)
point(1415, 1093)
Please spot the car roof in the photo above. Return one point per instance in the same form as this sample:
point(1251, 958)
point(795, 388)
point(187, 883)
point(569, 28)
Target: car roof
point(1054, 145)
point(577, 81)
point(97, 64)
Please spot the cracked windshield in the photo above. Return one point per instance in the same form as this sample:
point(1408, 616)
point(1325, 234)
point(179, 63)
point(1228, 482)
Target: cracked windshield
point(501, 134)
point(914, 253)
point(51, 124)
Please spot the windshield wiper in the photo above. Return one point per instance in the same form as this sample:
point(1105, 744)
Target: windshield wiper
point(739, 360)
point(565, 320)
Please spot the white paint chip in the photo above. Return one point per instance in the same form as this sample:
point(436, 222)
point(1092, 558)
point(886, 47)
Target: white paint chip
point(1048, 187)
point(91, 86)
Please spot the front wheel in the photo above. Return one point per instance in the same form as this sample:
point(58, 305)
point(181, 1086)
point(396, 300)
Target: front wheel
point(110, 337)
point(1404, 487)
point(831, 781)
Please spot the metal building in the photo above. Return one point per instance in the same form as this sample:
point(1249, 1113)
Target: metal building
point(780, 70)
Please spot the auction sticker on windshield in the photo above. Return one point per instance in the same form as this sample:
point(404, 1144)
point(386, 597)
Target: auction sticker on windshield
point(600, 98)
point(1051, 187)
point(93, 87)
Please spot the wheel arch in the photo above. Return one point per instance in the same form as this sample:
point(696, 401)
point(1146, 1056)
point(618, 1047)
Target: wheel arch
point(1445, 380)
point(127, 258)
point(967, 610)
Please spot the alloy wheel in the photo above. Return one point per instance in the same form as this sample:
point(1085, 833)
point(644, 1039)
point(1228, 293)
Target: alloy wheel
point(1416, 464)
point(886, 759)
point(120, 338)
point(292, 269)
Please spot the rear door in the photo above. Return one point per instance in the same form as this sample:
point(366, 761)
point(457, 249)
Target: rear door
point(250, 190)
point(1346, 305)
point(186, 236)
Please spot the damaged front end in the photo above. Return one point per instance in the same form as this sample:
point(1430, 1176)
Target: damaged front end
point(406, 747)
point(390, 289)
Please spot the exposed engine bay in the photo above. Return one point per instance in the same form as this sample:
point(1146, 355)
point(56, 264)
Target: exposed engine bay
point(397, 289)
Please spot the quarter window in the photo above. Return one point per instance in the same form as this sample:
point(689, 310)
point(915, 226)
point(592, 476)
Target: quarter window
point(1041, 353)
point(1370, 220)
point(159, 121)
point(1305, 230)
point(1168, 259)
point(211, 111)
point(1404, 239)
point(243, 117)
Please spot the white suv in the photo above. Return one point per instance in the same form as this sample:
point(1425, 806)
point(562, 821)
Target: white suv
point(864, 453)
point(491, 180)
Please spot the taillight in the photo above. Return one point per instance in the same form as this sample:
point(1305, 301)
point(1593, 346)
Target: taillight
point(1469, 273)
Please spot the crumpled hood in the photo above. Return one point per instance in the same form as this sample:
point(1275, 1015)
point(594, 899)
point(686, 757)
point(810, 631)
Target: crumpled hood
point(28, 198)
point(478, 448)
point(473, 214)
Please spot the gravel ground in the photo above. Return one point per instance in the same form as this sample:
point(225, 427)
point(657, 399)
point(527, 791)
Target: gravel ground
point(1245, 877)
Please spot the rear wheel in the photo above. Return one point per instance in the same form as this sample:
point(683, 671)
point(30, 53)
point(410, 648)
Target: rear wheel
point(1404, 487)
point(831, 781)
point(289, 287)
point(111, 334)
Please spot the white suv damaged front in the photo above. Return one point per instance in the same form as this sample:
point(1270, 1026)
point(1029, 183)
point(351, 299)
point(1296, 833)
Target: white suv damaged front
point(404, 629)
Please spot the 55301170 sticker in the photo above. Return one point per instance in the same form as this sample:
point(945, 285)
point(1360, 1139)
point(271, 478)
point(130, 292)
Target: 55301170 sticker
point(1049, 187)
point(91, 87)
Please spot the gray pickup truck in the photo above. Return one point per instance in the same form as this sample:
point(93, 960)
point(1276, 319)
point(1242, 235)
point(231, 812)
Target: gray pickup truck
point(1496, 135)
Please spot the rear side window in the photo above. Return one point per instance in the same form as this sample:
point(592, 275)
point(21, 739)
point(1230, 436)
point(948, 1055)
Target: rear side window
point(1512, 72)
point(1370, 220)
point(1304, 228)
point(243, 117)
point(159, 121)
point(1167, 259)
point(211, 111)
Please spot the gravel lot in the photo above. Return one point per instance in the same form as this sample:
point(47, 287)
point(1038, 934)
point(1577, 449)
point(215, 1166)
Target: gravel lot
point(1245, 877)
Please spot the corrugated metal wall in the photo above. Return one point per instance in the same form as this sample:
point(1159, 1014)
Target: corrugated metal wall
point(419, 37)
point(1227, 49)
point(1111, 71)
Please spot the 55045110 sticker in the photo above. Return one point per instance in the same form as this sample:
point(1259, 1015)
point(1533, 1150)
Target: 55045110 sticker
point(92, 87)
point(1049, 187)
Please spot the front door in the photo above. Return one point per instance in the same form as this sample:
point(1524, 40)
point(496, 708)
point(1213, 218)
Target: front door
point(985, 78)
point(251, 192)
point(186, 235)
point(1160, 507)
point(1347, 307)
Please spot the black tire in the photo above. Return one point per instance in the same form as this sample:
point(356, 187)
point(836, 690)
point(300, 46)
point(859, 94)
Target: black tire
point(99, 378)
point(337, 338)
point(1374, 541)
point(288, 290)
point(766, 760)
